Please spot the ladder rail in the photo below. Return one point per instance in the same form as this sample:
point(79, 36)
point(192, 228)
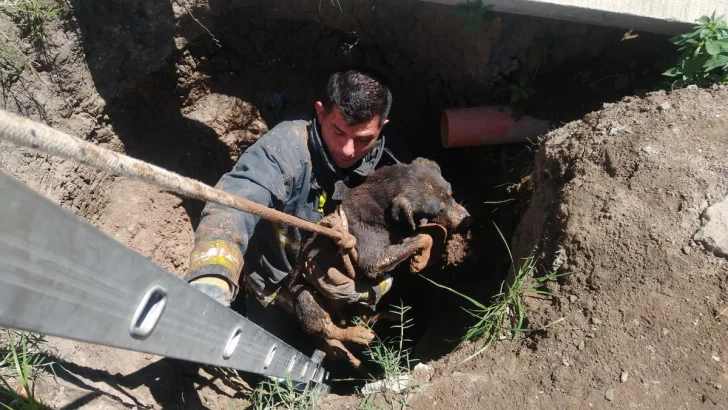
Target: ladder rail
point(60, 276)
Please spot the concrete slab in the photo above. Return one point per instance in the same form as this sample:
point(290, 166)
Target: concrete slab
point(655, 16)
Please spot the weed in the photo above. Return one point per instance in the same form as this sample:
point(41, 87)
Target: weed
point(199, 23)
point(575, 130)
point(704, 57)
point(271, 394)
point(10, 58)
point(13, 59)
point(31, 16)
point(474, 13)
point(346, 47)
point(394, 362)
point(333, 3)
point(521, 91)
point(21, 358)
point(390, 354)
point(507, 312)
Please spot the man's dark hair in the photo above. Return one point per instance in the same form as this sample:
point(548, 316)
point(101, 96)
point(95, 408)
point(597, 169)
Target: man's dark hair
point(359, 95)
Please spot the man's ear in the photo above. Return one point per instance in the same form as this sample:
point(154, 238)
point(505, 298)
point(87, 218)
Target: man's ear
point(402, 212)
point(320, 110)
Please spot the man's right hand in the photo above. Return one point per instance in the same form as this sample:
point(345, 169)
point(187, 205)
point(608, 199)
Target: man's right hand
point(217, 288)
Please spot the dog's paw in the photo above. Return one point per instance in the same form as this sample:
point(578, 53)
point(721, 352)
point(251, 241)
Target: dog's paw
point(360, 335)
point(419, 262)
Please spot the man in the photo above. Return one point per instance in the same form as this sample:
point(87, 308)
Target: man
point(294, 168)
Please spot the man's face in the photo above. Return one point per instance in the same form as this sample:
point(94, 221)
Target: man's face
point(347, 144)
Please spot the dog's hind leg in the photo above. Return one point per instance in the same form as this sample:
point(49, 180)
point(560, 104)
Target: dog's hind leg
point(337, 349)
point(315, 320)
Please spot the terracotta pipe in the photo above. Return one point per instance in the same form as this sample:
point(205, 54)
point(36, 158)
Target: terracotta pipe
point(465, 127)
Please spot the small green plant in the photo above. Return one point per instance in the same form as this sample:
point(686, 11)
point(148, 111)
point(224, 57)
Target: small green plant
point(11, 59)
point(21, 359)
point(390, 354)
point(704, 57)
point(474, 13)
point(521, 91)
point(394, 362)
point(575, 130)
point(507, 311)
point(270, 394)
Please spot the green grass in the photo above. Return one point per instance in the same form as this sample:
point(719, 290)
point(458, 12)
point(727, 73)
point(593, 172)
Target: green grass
point(506, 313)
point(270, 394)
point(22, 360)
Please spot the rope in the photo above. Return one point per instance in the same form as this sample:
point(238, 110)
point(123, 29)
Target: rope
point(40, 137)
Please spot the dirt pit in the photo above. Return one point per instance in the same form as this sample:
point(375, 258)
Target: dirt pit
point(616, 193)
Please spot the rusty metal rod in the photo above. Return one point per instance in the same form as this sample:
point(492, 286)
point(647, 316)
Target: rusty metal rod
point(40, 137)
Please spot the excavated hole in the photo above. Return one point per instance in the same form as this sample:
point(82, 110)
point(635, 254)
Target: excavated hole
point(263, 58)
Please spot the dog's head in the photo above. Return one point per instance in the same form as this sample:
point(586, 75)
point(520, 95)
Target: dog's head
point(427, 198)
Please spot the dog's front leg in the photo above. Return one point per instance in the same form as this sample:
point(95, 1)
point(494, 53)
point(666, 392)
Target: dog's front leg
point(388, 258)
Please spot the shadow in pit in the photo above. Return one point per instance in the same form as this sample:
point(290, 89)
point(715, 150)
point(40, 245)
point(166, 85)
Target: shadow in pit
point(129, 45)
point(172, 383)
point(256, 66)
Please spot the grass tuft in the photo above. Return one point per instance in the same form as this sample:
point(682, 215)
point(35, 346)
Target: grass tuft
point(274, 394)
point(394, 362)
point(506, 314)
point(21, 359)
point(390, 355)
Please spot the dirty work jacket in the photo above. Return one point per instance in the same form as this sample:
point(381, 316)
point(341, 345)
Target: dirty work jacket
point(288, 169)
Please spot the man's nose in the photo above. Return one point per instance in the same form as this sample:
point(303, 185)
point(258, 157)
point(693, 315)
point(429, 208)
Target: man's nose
point(348, 148)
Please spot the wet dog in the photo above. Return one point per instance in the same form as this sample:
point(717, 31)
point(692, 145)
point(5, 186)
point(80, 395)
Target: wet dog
point(388, 215)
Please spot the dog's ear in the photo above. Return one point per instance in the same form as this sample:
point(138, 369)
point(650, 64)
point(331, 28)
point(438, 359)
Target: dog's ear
point(402, 212)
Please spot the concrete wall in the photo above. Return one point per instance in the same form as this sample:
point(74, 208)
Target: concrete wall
point(656, 16)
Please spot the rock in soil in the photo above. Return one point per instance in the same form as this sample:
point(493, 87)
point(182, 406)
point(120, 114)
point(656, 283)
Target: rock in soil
point(713, 235)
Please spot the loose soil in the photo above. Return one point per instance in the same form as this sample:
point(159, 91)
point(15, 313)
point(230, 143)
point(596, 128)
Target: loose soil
point(615, 193)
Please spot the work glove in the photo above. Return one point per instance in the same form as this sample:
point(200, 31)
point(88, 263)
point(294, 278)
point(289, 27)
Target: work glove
point(346, 241)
